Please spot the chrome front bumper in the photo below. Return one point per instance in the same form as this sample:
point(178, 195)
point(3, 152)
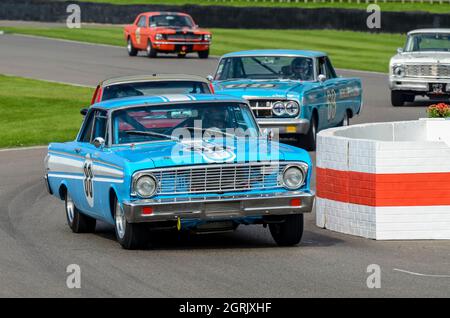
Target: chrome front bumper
point(219, 207)
point(416, 84)
point(285, 126)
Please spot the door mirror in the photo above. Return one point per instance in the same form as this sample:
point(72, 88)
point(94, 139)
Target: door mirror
point(210, 78)
point(321, 78)
point(399, 50)
point(99, 142)
point(84, 111)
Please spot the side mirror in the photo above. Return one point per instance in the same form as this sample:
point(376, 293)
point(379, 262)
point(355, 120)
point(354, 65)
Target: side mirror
point(84, 111)
point(210, 78)
point(99, 142)
point(399, 50)
point(321, 78)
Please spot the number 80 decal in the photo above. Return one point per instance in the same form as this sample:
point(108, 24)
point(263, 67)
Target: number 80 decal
point(331, 102)
point(88, 181)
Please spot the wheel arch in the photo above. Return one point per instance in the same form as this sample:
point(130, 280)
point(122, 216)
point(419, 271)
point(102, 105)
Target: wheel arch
point(62, 190)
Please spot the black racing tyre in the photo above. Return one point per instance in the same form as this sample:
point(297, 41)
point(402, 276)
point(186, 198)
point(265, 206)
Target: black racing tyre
point(397, 98)
point(150, 51)
point(203, 54)
point(289, 232)
point(130, 48)
point(409, 98)
point(130, 235)
point(77, 221)
point(346, 120)
point(181, 55)
point(311, 135)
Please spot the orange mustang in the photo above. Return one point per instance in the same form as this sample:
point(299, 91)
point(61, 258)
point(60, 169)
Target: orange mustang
point(166, 32)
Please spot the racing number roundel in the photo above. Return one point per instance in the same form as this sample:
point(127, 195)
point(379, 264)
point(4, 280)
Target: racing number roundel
point(331, 102)
point(88, 183)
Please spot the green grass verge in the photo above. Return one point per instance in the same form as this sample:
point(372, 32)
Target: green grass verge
point(435, 7)
point(350, 50)
point(34, 112)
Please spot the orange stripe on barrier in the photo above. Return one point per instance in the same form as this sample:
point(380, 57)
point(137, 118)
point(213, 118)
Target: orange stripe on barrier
point(403, 189)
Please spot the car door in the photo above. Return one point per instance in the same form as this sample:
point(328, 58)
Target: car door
point(88, 197)
point(138, 39)
point(332, 110)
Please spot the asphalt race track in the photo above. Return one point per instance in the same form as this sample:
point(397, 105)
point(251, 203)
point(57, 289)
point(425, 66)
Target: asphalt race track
point(36, 245)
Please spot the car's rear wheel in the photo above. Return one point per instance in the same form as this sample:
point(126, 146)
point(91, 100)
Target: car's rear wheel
point(289, 232)
point(181, 55)
point(346, 120)
point(130, 48)
point(151, 52)
point(203, 54)
point(77, 221)
point(130, 235)
point(397, 98)
point(311, 135)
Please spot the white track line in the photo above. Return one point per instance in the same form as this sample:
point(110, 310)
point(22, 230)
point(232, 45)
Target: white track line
point(24, 148)
point(420, 274)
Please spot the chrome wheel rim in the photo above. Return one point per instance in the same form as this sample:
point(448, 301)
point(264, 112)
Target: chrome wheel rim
point(129, 46)
point(70, 208)
point(120, 221)
point(148, 48)
point(346, 121)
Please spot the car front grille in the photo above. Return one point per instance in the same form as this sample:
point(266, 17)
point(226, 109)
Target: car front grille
point(218, 178)
point(428, 70)
point(184, 37)
point(262, 108)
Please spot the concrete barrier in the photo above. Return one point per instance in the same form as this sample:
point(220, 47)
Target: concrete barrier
point(385, 181)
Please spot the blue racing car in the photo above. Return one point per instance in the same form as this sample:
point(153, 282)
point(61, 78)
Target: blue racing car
point(296, 92)
point(186, 162)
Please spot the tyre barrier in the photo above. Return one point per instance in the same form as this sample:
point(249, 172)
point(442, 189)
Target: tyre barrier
point(385, 181)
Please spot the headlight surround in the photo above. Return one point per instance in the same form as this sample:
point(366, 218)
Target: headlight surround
point(145, 185)
point(293, 177)
point(292, 108)
point(159, 36)
point(398, 70)
point(279, 108)
point(207, 37)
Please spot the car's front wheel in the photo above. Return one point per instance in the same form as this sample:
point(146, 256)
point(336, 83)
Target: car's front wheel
point(130, 48)
point(77, 221)
point(289, 232)
point(397, 98)
point(203, 54)
point(151, 52)
point(311, 135)
point(130, 235)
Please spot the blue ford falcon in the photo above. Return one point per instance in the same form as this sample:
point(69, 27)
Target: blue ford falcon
point(296, 92)
point(186, 162)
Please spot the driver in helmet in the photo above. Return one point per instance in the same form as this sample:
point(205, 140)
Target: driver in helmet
point(302, 69)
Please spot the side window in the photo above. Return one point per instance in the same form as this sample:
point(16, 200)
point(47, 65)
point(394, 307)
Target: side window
point(100, 120)
point(330, 70)
point(141, 22)
point(86, 132)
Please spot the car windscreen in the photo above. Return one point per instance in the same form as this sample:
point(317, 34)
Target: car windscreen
point(154, 88)
point(166, 122)
point(428, 42)
point(266, 67)
point(167, 20)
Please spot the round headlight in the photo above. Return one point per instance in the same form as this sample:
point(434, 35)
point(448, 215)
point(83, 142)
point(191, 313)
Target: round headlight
point(399, 71)
point(279, 109)
point(158, 36)
point(293, 178)
point(145, 186)
point(207, 37)
point(292, 108)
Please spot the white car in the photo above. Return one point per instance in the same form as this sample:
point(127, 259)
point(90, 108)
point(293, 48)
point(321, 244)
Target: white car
point(422, 67)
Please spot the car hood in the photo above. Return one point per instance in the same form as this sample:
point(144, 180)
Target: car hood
point(422, 57)
point(260, 89)
point(170, 153)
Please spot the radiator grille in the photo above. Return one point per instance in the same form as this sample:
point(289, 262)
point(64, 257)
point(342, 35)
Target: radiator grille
point(218, 178)
point(428, 70)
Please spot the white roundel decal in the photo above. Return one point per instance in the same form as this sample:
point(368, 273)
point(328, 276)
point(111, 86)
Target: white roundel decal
point(218, 154)
point(88, 183)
